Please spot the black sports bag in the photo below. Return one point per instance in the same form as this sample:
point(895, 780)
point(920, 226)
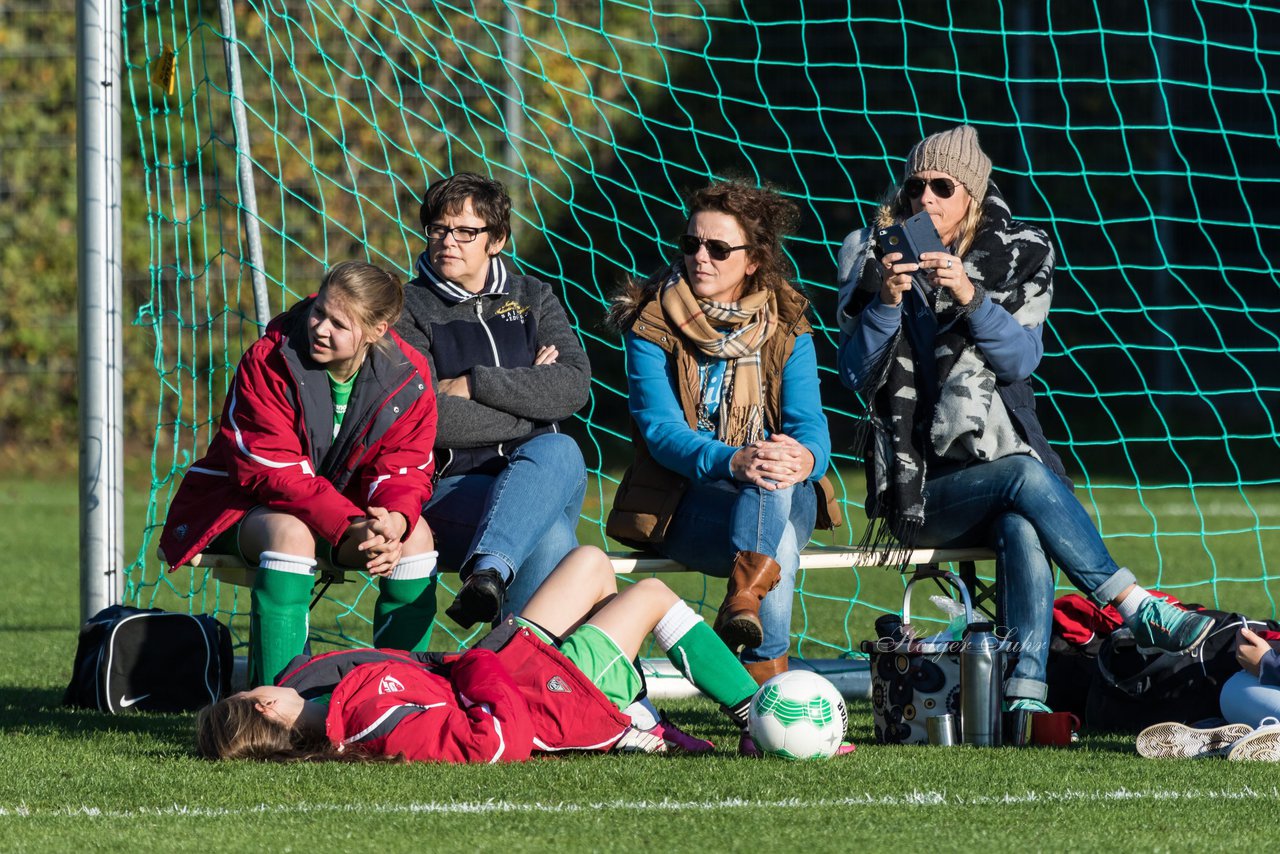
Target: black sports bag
point(1133, 690)
point(149, 660)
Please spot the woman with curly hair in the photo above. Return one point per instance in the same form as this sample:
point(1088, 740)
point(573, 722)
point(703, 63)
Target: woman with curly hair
point(731, 441)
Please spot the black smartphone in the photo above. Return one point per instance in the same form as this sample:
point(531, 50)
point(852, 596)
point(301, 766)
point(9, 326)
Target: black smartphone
point(912, 237)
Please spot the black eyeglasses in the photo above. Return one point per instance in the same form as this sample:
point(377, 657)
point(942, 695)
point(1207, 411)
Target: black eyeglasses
point(942, 187)
point(719, 250)
point(461, 233)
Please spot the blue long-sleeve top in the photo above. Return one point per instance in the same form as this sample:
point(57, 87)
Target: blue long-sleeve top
point(1011, 350)
point(699, 455)
point(1269, 669)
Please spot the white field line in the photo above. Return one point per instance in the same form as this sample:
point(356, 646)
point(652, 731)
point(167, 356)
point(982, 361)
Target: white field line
point(909, 799)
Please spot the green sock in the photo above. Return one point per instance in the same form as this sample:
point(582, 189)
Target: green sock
point(405, 612)
point(697, 652)
point(278, 621)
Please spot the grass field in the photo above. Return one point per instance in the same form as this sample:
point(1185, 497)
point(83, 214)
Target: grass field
point(76, 781)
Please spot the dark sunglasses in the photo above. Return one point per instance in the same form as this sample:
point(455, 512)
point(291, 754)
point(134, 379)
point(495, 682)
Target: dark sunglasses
point(719, 250)
point(942, 188)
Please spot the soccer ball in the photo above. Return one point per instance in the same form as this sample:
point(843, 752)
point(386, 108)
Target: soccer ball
point(798, 715)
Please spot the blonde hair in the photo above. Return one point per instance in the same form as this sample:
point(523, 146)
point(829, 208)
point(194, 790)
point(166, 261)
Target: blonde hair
point(371, 294)
point(895, 207)
point(233, 728)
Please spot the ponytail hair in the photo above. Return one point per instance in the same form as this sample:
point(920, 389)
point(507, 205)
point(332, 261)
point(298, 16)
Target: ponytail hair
point(371, 294)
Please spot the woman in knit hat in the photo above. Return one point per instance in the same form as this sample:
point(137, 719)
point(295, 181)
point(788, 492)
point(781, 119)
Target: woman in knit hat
point(942, 351)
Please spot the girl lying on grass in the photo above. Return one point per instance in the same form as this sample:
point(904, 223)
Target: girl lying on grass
point(554, 679)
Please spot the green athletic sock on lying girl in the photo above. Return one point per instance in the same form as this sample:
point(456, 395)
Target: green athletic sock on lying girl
point(697, 652)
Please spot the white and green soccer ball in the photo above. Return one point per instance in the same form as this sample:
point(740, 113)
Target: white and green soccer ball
point(798, 715)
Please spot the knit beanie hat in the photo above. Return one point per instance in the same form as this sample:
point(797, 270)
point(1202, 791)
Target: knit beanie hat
point(955, 152)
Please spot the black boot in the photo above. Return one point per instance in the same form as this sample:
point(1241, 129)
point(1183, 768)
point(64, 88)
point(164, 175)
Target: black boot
point(480, 599)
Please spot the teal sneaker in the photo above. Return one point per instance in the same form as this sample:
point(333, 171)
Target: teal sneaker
point(1022, 704)
point(1167, 628)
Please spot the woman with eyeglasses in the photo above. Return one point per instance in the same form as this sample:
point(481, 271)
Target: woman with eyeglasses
point(942, 350)
point(731, 441)
point(508, 368)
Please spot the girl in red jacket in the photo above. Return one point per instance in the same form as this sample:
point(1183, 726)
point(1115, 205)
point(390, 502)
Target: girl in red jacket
point(325, 441)
point(522, 691)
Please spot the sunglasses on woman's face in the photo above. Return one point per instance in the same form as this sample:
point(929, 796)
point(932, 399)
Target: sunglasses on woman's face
point(942, 188)
point(719, 250)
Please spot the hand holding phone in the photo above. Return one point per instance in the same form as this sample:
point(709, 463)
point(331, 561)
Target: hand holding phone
point(912, 237)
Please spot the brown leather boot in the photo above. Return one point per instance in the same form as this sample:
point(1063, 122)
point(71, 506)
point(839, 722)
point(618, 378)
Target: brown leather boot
point(763, 671)
point(738, 622)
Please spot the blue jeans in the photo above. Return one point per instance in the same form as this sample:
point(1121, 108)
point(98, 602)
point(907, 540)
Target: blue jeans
point(1021, 510)
point(1245, 700)
point(526, 515)
point(717, 520)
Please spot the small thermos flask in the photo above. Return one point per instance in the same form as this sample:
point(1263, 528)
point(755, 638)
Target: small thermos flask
point(889, 627)
point(981, 688)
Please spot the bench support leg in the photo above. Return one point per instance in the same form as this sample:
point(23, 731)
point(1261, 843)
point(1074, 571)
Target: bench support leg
point(982, 593)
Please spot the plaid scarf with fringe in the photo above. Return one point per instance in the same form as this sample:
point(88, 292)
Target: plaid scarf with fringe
point(750, 321)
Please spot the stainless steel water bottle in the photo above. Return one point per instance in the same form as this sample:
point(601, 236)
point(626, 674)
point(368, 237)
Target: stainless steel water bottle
point(981, 689)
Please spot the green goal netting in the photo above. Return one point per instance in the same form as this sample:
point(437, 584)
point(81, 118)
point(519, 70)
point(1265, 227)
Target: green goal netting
point(1142, 137)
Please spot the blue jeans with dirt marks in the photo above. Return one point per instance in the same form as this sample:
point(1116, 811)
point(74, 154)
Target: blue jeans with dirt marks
point(1018, 507)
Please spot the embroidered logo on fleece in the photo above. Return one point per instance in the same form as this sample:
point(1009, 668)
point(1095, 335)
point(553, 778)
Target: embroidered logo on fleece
point(512, 311)
point(558, 685)
point(389, 685)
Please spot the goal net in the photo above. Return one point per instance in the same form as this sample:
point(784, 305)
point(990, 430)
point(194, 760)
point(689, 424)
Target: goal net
point(1141, 137)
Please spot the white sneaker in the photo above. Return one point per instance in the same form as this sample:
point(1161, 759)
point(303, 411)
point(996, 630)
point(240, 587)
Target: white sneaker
point(640, 741)
point(1179, 740)
point(1262, 745)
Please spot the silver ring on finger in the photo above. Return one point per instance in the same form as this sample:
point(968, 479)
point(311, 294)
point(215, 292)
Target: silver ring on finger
point(948, 263)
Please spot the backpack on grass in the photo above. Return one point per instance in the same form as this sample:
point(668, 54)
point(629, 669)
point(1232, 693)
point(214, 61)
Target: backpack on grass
point(1134, 690)
point(149, 660)
point(1096, 671)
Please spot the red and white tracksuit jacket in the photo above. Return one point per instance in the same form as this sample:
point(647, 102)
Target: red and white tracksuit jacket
point(276, 448)
point(480, 706)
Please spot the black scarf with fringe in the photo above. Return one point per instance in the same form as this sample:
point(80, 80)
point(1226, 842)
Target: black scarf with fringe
point(1010, 263)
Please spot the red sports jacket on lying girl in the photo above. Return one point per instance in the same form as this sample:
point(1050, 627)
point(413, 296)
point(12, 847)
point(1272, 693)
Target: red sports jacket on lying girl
point(481, 706)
